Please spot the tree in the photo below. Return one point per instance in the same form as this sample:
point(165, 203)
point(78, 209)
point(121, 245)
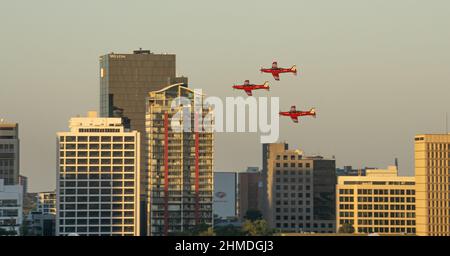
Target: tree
point(256, 228)
point(201, 229)
point(228, 230)
point(208, 232)
point(25, 228)
point(253, 214)
point(346, 228)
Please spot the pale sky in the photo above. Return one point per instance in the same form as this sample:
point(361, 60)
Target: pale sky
point(377, 71)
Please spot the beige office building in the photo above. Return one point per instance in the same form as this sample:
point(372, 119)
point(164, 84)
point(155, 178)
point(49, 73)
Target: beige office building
point(97, 178)
point(379, 202)
point(180, 162)
point(432, 167)
point(299, 190)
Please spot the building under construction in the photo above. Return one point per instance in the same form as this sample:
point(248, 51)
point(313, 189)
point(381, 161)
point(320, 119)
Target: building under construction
point(180, 161)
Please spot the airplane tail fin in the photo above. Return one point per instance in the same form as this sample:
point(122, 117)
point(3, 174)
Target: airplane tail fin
point(294, 69)
point(313, 112)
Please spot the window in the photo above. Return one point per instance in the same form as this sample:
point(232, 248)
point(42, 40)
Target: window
point(117, 139)
point(129, 139)
point(129, 146)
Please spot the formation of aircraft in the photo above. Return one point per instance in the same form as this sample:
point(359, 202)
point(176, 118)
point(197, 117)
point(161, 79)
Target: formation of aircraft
point(248, 88)
point(294, 114)
point(276, 71)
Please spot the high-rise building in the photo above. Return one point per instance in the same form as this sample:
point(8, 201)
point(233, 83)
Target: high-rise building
point(432, 163)
point(225, 194)
point(300, 190)
point(379, 202)
point(9, 152)
point(11, 207)
point(180, 161)
point(249, 191)
point(97, 178)
point(125, 81)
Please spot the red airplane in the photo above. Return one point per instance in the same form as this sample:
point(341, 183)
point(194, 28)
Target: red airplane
point(276, 71)
point(247, 87)
point(294, 114)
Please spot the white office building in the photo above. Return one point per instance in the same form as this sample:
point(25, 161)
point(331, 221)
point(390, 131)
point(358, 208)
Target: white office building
point(11, 207)
point(97, 178)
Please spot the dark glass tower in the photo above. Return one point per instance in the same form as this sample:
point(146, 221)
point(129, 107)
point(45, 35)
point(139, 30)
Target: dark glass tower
point(125, 81)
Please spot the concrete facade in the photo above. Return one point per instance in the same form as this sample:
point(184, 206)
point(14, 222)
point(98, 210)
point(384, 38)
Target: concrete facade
point(379, 202)
point(98, 178)
point(432, 164)
point(300, 190)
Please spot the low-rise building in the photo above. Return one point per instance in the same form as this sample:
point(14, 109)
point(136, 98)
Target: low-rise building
point(11, 207)
point(46, 202)
point(379, 202)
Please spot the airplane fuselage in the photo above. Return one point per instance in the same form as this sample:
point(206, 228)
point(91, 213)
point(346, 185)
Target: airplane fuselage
point(297, 113)
point(250, 87)
point(277, 70)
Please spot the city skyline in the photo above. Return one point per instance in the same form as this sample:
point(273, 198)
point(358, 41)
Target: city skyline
point(376, 83)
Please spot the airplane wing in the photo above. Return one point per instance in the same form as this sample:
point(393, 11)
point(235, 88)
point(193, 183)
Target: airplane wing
point(295, 119)
point(249, 92)
point(276, 76)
